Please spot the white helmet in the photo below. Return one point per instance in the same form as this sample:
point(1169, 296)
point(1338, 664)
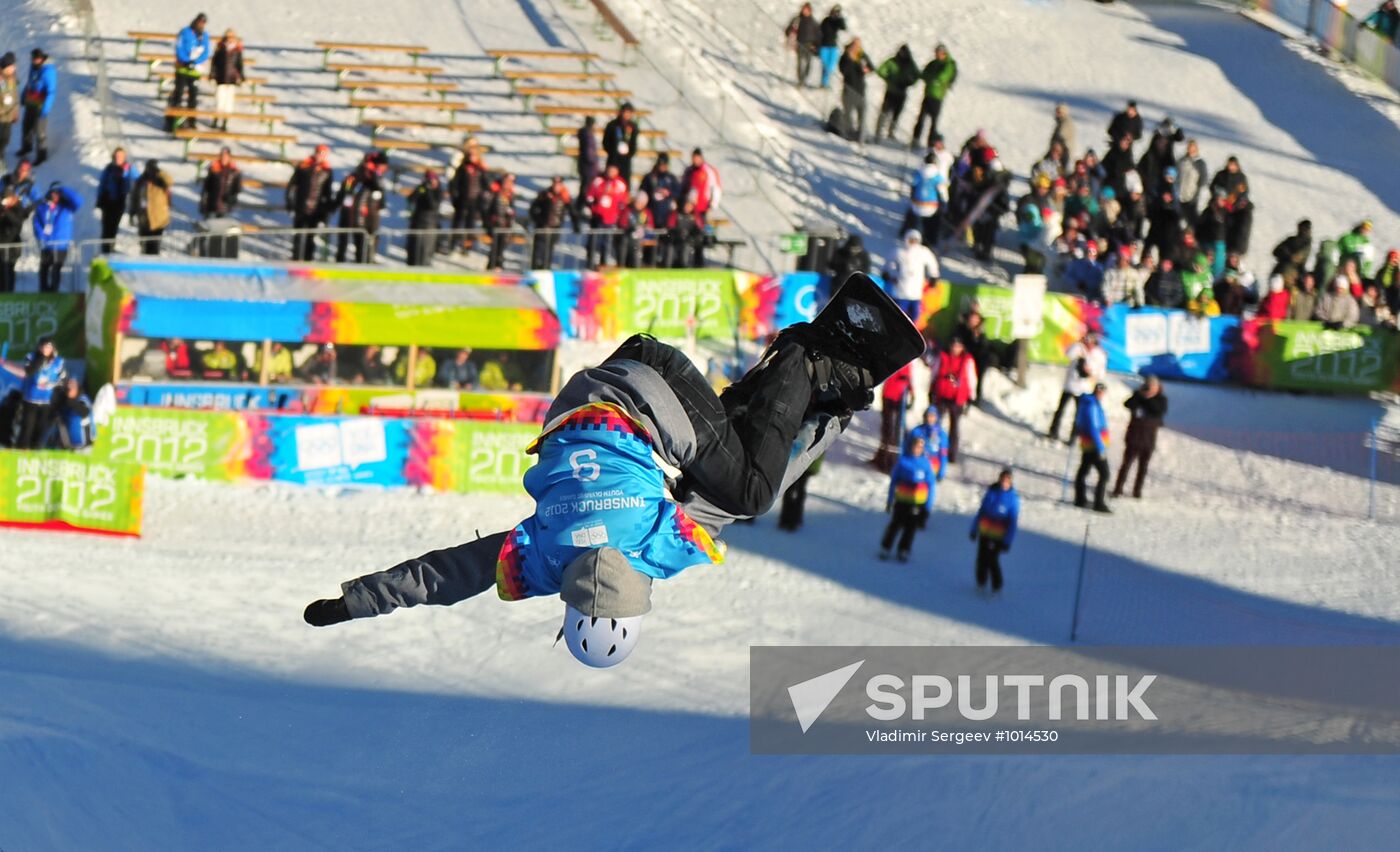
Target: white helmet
point(598, 641)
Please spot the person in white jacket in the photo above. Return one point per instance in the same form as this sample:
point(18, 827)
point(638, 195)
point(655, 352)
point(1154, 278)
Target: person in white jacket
point(912, 270)
point(1088, 363)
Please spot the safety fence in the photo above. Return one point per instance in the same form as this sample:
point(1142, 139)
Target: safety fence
point(1334, 27)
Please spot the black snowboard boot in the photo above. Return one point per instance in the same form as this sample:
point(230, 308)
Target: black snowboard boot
point(839, 385)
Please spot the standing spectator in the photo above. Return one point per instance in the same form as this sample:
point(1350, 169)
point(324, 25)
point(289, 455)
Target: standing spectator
point(468, 190)
point(1292, 253)
point(1031, 225)
point(547, 214)
point(850, 256)
point(1387, 280)
point(1356, 245)
point(21, 180)
point(972, 332)
point(686, 238)
point(113, 190)
point(1154, 162)
point(1123, 283)
point(994, 528)
point(1088, 362)
point(459, 373)
point(499, 218)
point(954, 384)
point(1385, 21)
point(1337, 308)
point(9, 104)
point(831, 27)
point(1275, 304)
point(700, 184)
point(1193, 174)
point(53, 228)
point(606, 199)
point(663, 190)
point(1126, 123)
point(939, 76)
point(361, 202)
point(910, 499)
point(39, 93)
point(1239, 214)
point(899, 72)
point(150, 206)
point(935, 442)
point(1164, 288)
point(804, 36)
point(911, 271)
point(620, 141)
point(219, 195)
point(12, 216)
point(424, 218)
point(1064, 131)
point(1303, 303)
point(191, 50)
point(1118, 164)
point(1091, 425)
point(634, 224)
point(928, 189)
point(1148, 406)
point(588, 167)
point(1374, 310)
point(310, 199)
point(72, 416)
point(227, 71)
point(795, 499)
point(895, 396)
point(43, 372)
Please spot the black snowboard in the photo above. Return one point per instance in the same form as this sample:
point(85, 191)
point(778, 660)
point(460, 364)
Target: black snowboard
point(870, 326)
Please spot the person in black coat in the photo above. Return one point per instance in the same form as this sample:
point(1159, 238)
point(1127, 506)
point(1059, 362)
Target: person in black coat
point(620, 142)
point(467, 190)
point(1126, 123)
point(424, 218)
point(12, 218)
point(547, 213)
point(588, 169)
point(310, 200)
point(663, 191)
point(850, 256)
point(831, 27)
point(499, 218)
point(113, 190)
point(854, 66)
point(804, 35)
point(1293, 252)
point(1148, 406)
point(360, 200)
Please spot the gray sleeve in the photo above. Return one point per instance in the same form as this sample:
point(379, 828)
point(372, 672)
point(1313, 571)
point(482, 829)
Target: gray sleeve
point(440, 578)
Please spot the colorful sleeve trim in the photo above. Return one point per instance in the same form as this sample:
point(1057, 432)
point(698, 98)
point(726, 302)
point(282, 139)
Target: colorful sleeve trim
point(594, 417)
point(510, 574)
point(696, 535)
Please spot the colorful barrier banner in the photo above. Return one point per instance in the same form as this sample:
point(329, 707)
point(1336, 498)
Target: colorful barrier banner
point(667, 303)
point(26, 317)
point(69, 491)
point(1064, 320)
point(1307, 356)
point(447, 455)
point(516, 407)
point(1169, 344)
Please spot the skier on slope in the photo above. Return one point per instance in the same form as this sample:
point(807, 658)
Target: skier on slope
point(910, 499)
point(603, 526)
point(994, 528)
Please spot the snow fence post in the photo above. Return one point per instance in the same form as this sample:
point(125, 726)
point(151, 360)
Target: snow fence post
point(1079, 586)
point(1371, 498)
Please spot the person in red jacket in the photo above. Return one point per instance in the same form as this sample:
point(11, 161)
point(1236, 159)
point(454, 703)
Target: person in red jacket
point(1274, 305)
point(606, 198)
point(700, 184)
point(954, 385)
point(894, 401)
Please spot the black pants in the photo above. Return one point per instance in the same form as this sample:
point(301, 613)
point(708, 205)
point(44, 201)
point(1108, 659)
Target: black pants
point(929, 109)
point(903, 521)
point(304, 245)
point(542, 250)
point(7, 271)
point(598, 244)
point(1066, 399)
point(34, 135)
point(419, 247)
point(6, 128)
point(111, 221)
point(745, 435)
point(853, 114)
point(794, 502)
point(1134, 451)
point(984, 236)
point(186, 87)
point(51, 262)
point(33, 423)
point(989, 562)
point(954, 412)
point(1091, 460)
point(890, 109)
point(345, 240)
point(499, 238)
point(150, 239)
point(629, 251)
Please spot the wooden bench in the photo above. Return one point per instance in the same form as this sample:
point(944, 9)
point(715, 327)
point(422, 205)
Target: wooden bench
point(376, 125)
point(449, 107)
point(162, 76)
point(143, 36)
point(329, 47)
point(154, 59)
point(557, 75)
point(532, 92)
point(356, 86)
point(500, 56)
point(202, 158)
point(608, 20)
point(560, 109)
point(263, 117)
point(343, 68)
point(409, 144)
point(194, 134)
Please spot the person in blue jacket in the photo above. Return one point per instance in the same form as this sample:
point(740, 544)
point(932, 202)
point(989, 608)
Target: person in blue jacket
point(191, 50)
point(608, 519)
point(994, 528)
point(911, 498)
point(1091, 425)
point(935, 441)
point(53, 228)
point(37, 97)
point(43, 371)
point(72, 417)
point(113, 190)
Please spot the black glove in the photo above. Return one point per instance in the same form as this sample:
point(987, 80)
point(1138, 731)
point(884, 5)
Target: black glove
point(324, 613)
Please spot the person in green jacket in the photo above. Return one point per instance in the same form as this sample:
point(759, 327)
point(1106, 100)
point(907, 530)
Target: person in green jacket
point(1356, 244)
point(939, 76)
point(899, 72)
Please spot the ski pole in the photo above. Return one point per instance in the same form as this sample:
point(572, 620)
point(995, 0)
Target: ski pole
point(1371, 500)
point(1079, 586)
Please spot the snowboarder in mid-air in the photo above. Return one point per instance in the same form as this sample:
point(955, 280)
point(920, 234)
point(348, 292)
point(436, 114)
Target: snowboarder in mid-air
point(604, 525)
